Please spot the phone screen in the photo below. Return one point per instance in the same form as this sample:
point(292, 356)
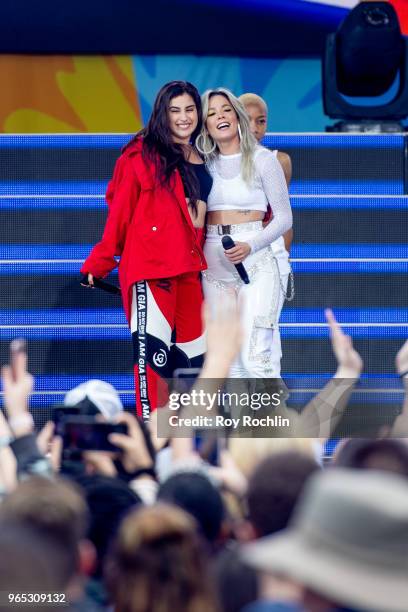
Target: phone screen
point(205, 443)
point(184, 379)
point(80, 434)
point(60, 412)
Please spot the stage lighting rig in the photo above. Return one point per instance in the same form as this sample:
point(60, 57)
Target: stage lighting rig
point(365, 71)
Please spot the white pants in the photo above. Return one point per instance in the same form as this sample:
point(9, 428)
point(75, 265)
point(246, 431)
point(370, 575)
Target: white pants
point(260, 302)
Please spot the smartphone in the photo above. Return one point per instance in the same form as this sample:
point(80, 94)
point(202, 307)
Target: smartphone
point(210, 447)
point(85, 408)
point(60, 412)
point(17, 347)
point(184, 379)
point(81, 433)
point(207, 444)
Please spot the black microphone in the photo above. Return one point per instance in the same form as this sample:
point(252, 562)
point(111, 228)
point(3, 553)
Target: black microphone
point(100, 284)
point(228, 243)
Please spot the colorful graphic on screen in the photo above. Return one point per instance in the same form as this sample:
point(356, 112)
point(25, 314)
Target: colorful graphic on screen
point(68, 94)
point(101, 93)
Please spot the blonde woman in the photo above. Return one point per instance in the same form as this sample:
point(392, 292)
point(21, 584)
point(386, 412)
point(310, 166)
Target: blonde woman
point(246, 177)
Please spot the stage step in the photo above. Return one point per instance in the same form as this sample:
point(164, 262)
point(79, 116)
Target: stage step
point(63, 223)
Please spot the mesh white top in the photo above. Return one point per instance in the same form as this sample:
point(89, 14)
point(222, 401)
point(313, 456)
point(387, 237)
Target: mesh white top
point(231, 192)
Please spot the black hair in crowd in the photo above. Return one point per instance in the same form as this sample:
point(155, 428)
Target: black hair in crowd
point(158, 145)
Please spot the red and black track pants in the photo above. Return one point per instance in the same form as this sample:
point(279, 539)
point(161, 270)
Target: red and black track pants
point(167, 334)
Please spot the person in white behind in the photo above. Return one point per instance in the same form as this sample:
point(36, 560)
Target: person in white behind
point(257, 111)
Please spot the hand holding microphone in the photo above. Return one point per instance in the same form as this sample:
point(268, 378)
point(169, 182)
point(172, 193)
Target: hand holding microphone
point(236, 253)
point(88, 280)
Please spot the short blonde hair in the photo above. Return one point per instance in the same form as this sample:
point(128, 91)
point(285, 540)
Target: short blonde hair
point(251, 98)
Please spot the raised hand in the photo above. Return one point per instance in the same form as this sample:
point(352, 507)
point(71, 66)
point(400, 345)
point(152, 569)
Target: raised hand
point(349, 361)
point(133, 446)
point(18, 384)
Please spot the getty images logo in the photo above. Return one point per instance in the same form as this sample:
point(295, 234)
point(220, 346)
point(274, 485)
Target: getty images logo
point(160, 358)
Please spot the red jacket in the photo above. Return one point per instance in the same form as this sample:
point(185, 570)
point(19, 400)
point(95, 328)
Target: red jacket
point(148, 226)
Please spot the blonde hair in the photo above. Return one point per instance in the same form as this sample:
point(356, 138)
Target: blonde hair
point(207, 146)
point(251, 98)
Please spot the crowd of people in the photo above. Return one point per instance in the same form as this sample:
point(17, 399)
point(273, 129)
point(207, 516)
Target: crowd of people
point(157, 526)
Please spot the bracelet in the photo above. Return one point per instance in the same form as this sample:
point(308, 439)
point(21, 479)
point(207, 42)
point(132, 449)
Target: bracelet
point(21, 420)
point(148, 471)
point(403, 374)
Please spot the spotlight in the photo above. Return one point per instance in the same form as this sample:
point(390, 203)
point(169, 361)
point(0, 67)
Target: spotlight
point(365, 70)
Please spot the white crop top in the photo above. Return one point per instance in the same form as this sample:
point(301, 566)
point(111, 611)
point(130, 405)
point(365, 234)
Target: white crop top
point(230, 192)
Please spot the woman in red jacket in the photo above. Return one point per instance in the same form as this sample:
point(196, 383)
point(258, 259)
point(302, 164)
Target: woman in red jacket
point(156, 202)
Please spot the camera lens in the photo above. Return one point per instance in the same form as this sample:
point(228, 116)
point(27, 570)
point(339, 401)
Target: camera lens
point(376, 17)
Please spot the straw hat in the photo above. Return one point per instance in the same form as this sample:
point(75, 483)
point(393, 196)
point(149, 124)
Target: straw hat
point(347, 541)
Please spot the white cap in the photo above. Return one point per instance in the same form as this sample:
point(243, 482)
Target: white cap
point(103, 395)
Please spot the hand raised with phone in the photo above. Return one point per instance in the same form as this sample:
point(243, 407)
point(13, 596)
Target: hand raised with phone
point(132, 451)
point(135, 454)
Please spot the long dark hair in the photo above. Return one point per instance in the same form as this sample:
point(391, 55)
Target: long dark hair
point(158, 145)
